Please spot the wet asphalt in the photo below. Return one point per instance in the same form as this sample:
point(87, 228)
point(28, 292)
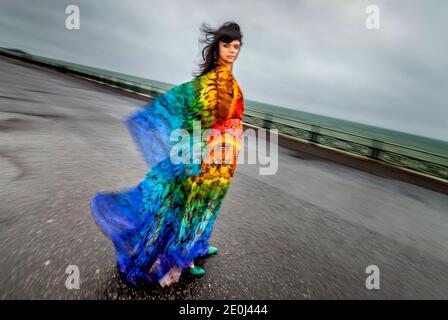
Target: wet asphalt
point(306, 232)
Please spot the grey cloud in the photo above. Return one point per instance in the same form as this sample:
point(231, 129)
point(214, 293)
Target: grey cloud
point(311, 55)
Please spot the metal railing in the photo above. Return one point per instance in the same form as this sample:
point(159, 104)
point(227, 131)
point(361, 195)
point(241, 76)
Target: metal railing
point(429, 163)
point(426, 162)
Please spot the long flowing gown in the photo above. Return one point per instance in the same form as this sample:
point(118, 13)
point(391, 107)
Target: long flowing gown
point(161, 225)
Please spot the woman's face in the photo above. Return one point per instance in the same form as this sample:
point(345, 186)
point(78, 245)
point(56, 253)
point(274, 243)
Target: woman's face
point(228, 52)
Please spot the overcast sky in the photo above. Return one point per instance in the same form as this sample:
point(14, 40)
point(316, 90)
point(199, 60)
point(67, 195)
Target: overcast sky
point(312, 55)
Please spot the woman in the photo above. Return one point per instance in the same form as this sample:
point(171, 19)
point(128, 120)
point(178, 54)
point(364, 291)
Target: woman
point(162, 225)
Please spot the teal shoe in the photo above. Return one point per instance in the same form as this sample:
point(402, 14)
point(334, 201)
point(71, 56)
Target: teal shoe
point(196, 271)
point(211, 250)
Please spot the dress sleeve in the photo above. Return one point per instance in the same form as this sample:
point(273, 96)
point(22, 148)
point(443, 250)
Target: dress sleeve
point(151, 125)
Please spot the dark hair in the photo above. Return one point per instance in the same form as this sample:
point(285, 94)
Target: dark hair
point(227, 33)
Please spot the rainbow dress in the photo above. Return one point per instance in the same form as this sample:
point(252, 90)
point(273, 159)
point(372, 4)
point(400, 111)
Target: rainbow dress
point(161, 225)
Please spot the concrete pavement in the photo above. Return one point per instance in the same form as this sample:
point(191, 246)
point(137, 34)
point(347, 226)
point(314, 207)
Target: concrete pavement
point(307, 232)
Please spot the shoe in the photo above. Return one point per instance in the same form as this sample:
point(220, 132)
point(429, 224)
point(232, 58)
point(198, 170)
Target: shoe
point(196, 271)
point(211, 250)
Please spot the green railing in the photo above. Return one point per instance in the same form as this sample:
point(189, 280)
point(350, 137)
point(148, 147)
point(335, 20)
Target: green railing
point(429, 163)
point(432, 164)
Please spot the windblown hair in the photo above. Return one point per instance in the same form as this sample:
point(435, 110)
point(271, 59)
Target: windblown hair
point(227, 33)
